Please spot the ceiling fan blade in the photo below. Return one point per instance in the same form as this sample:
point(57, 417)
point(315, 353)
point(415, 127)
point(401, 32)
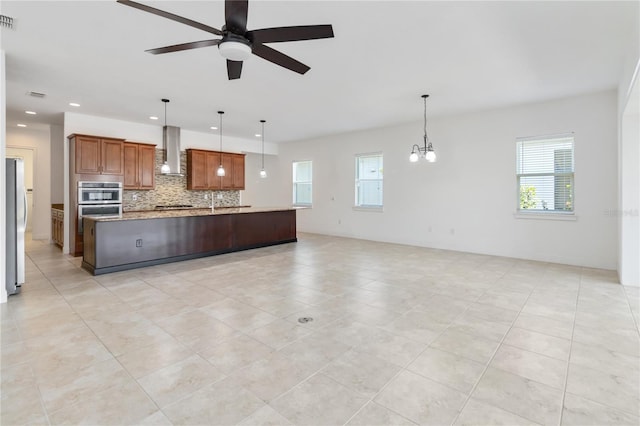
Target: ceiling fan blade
point(184, 46)
point(235, 14)
point(234, 69)
point(280, 34)
point(279, 58)
point(171, 16)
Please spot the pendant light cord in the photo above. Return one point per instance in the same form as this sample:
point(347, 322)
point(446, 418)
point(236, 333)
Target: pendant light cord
point(220, 112)
point(262, 121)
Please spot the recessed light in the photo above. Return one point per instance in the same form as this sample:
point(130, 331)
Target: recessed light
point(30, 112)
point(258, 135)
point(22, 125)
point(213, 128)
point(153, 117)
point(74, 104)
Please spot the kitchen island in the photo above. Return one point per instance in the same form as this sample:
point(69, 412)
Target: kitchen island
point(145, 238)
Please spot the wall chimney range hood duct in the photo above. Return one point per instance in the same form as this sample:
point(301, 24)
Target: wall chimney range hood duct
point(171, 143)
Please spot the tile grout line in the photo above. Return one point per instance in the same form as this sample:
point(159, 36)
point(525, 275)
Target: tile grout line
point(531, 294)
point(595, 369)
point(114, 357)
point(44, 407)
point(404, 368)
point(633, 317)
point(573, 328)
point(489, 363)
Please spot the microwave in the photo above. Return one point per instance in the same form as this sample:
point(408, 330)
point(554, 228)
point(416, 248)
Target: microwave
point(99, 192)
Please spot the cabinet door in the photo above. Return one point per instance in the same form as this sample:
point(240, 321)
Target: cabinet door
point(87, 155)
point(131, 166)
point(146, 166)
point(213, 162)
point(54, 226)
point(112, 157)
point(196, 169)
point(227, 179)
point(238, 172)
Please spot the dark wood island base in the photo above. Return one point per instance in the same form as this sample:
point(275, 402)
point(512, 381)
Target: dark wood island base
point(135, 241)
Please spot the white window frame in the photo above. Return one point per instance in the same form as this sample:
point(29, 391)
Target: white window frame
point(310, 182)
point(368, 207)
point(542, 213)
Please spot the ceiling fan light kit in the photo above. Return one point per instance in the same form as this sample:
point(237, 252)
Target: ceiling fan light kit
point(237, 43)
point(235, 50)
point(427, 152)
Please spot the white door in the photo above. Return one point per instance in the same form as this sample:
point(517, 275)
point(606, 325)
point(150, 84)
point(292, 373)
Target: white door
point(28, 155)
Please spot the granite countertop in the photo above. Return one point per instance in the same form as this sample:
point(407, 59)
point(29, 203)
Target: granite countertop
point(158, 214)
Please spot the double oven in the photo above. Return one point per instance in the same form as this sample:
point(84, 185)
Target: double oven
point(103, 199)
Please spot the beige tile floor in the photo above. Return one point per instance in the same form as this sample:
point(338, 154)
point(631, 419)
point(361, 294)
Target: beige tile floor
point(400, 335)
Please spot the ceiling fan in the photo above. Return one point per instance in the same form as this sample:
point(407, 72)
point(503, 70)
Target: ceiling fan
point(237, 44)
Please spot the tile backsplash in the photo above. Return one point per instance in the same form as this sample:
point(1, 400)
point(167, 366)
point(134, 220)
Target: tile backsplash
point(171, 190)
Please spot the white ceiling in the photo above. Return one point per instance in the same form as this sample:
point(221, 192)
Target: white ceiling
point(385, 54)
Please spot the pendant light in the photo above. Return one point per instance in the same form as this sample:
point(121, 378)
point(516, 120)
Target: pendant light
point(165, 169)
point(263, 172)
point(426, 151)
point(220, 169)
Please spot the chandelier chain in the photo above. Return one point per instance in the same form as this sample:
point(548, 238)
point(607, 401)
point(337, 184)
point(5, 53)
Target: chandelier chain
point(426, 137)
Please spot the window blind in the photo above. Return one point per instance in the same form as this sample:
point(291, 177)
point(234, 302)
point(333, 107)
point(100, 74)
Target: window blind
point(545, 173)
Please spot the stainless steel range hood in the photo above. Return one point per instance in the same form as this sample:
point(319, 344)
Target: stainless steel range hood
point(171, 144)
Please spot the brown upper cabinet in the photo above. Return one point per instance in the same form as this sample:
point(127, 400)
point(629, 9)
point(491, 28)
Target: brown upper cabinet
point(139, 166)
point(237, 170)
point(95, 155)
point(202, 167)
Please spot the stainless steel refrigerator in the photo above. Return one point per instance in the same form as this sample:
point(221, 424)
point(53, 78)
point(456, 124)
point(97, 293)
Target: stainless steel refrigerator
point(16, 224)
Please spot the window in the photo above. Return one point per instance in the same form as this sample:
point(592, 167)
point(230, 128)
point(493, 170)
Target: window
point(302, 183)
point(545, 174)
point(369, 180)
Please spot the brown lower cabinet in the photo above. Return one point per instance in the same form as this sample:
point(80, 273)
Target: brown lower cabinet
point(57, 225)
point(116, 245)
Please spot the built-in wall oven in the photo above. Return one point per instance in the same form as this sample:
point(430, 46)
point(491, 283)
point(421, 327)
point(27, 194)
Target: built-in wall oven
point(99, 192)
point(103, 199)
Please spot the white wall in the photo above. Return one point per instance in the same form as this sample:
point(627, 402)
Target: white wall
point(466, 201)
point(37, 139)
point(629, 184)
point(3, 189)
point(148, 133)
point(258, 192)
point(57, 164)
point(629, 164)
point(629, 259)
